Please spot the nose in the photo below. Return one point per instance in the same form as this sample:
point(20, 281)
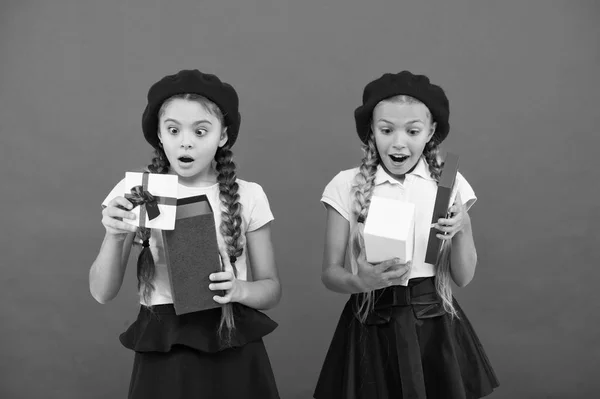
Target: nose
point(399, 140)
point(186, 140)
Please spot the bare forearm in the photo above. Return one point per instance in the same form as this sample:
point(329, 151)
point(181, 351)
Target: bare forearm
point(261, 294)
point(107, 271)
point(463, 258)
point(338, 279)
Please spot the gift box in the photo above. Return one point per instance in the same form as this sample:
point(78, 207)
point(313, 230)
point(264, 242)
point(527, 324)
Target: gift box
point(389, 230)
point(155, 198)
point(442, 203)
point(192, 254)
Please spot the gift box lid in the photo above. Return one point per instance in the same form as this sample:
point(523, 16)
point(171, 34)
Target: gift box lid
point(158, 213)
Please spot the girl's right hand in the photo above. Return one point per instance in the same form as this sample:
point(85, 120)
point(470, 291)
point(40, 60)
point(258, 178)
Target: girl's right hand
point(381, 275)
point(113, 215)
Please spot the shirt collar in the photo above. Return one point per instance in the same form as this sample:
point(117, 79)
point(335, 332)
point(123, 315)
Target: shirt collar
point(421, 170)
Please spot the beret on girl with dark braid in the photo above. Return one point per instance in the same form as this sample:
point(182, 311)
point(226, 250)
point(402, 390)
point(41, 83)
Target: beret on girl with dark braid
point(196, 82)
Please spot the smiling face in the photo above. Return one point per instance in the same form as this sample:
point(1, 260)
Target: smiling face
point(190, 133)
point(401, 127)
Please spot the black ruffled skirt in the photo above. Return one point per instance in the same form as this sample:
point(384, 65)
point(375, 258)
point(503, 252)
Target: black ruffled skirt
point(409, 347)
point(181, 357)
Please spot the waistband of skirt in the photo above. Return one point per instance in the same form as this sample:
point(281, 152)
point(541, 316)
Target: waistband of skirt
point(419, 291)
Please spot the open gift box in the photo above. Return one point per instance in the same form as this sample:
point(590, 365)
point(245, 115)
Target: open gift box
point(192, 254)
point(389, 230)
point(154, 196)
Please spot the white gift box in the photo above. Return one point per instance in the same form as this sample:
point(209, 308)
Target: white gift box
point(389, 230)
point(164, 188)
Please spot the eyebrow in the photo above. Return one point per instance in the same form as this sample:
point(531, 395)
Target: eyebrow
point(407, 122)
point(195, 123)
point(414, 121)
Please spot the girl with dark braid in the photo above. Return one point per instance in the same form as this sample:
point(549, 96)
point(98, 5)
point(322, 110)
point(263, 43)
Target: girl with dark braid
point(192, 121)
point(401, 333)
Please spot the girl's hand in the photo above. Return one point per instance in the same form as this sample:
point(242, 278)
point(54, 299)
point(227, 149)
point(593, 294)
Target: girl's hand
point(381, 275)
point(455, 224)
point(113, 215)
point(226, 281)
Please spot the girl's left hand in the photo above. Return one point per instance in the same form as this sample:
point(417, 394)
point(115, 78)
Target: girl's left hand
point(453, 225)
point(225, 281)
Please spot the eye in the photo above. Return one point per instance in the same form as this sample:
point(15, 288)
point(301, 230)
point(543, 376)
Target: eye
point(173, 130)
point(201, 132)
point(385, 130)
point(414, 132)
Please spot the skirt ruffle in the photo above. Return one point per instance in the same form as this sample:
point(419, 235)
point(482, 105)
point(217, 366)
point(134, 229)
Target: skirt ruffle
point(181, 357)
point(158, 329)
point(408, 347)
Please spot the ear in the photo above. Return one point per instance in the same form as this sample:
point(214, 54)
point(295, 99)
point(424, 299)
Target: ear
point(159, 136)
point(224, 137)
point(432, 131)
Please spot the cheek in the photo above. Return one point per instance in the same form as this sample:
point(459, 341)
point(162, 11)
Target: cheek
point(381, 143)
point(417, 146)
point(170, 148)
point(208, 148)
point(206, 152)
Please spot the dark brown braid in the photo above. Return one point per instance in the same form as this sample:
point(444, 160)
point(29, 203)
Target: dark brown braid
point(160, 163)
point(231, 222)
point(231, 210)
point(146, 268)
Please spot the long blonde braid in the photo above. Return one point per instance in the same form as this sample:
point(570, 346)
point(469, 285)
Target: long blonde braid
point(362, 190)
point(443, 283)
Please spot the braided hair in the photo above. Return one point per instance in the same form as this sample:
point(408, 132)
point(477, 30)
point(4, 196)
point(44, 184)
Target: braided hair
point(146, 269)
point(231, 222)
point(362, 191)
point(231, 213)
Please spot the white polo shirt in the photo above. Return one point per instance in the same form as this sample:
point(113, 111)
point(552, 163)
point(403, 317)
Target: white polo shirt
point(418, 188)
point(255, 214)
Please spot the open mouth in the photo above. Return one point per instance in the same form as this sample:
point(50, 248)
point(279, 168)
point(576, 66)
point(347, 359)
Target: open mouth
point(185, 159)
point(399, 158)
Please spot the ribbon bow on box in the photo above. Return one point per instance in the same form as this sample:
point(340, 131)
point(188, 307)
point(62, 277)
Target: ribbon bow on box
point(148, 203)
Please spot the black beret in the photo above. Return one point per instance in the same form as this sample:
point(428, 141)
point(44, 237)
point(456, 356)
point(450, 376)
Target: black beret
point(404, 83)
point(196, 82)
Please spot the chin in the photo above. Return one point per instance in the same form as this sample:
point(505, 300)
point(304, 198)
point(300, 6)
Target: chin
point(182, 172)
point(187, 173)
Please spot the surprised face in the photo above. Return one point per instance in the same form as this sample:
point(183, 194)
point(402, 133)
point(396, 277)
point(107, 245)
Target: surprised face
point(401, 131)
point(190, 136)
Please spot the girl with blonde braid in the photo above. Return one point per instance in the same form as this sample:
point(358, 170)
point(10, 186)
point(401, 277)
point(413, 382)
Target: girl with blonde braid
point(192, 121)
point(401, 333)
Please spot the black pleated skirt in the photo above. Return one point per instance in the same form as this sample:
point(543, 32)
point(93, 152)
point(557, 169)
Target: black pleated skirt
point(408, 347)
point(182, 357)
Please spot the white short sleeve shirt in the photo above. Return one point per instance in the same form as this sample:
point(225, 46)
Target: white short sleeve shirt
point(256, 212)
point(418, 188)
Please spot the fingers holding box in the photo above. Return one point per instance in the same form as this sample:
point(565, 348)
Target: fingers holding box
point(113, 215)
